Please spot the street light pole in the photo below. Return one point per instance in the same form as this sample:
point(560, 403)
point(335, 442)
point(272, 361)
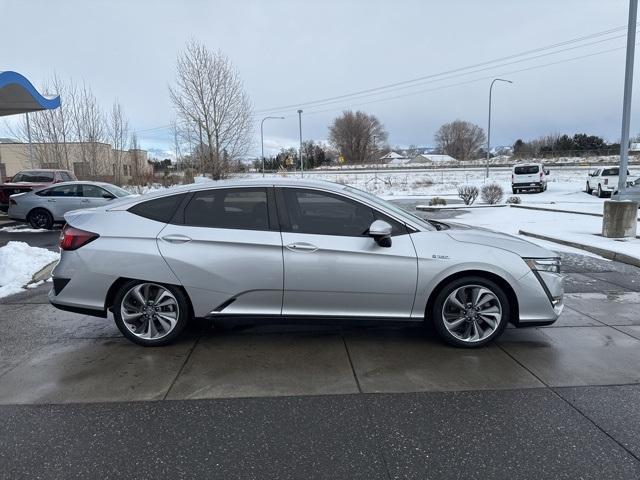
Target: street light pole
point(626, 103)
point(262, 137)
point(300, 128)
point(30, 143)
point(486, 173)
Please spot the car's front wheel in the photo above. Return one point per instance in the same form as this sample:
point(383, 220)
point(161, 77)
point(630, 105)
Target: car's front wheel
point(470, 311)
point(150, 314)
point(41, 218)
point(589, 189)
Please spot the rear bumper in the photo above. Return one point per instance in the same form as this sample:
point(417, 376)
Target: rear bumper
point(527, 185)
point(76, 309)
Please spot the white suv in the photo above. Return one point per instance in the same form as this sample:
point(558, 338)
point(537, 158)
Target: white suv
point(529, 176)
point(603, 180)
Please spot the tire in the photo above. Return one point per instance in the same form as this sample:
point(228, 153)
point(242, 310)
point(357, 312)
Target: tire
point(494, 301)
point(144, 326)
point(600, 192)
point(514, 190)
point(40, 218)
point(589, 189)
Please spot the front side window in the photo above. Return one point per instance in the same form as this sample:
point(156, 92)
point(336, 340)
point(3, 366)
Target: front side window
point(236, 208)
point(324, 213)
point(94, 191)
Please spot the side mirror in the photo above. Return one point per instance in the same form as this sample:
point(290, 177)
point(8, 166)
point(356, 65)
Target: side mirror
point(108, 196)
point(381, 233)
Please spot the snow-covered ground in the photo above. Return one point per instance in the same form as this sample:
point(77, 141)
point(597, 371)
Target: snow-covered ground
point(18, 263)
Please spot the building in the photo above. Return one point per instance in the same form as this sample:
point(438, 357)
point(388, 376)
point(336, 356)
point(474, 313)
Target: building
point(432, 158)
point(87, 160)
point(393, 158)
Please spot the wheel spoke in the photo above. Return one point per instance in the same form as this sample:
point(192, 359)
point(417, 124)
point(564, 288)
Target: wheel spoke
point(127, 317)
point(456, 323)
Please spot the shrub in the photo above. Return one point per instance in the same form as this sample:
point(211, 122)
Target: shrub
point(514, 200)
point(437, 201)
point(492, 193)
point(468, 193)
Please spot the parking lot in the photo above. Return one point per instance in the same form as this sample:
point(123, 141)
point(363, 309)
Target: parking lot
point(244, 401)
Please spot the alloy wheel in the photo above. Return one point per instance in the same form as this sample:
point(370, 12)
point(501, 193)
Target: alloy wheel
point(472, 313)
point(39, 219)
point(149, 311)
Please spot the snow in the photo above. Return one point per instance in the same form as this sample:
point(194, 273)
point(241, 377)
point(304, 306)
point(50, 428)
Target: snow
point(18, 263)
point(22, 229)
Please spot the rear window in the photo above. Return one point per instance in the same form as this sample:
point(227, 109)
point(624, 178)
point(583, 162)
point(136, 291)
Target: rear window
point(159, 209)
point(526, 170)
point(66, 177)
point(33, 177)
point(611, 172)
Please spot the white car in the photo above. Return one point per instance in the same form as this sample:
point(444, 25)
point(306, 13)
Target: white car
point(603, 180)
point(529, 176)
point(632, 192)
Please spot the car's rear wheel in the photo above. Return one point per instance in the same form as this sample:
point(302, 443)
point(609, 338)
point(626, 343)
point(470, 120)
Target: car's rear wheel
point(150, 314)
point(470, 312)
point(40, 218)
point(515, 190)
point(600, 192)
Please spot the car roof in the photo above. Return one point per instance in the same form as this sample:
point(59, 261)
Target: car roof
point(44, 170)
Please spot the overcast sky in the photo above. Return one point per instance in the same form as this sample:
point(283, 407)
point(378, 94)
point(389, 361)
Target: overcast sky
point(291, 52)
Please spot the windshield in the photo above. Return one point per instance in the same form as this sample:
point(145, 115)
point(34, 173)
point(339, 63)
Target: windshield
point(390, 206)
point(33, 177)
point(526, 170)
point(117, 191)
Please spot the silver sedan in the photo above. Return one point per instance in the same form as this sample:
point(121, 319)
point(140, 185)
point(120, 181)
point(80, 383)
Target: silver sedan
point(291, 249)
point(44, 207)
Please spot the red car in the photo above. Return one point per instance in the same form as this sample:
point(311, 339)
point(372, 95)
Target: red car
point(28, 180)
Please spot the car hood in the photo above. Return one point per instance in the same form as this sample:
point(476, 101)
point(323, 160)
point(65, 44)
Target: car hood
point(511, 243)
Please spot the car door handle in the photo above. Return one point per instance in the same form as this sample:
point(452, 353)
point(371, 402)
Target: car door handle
point(176, 238)
point(84, 201)
point(51, 200)
point(302, 247)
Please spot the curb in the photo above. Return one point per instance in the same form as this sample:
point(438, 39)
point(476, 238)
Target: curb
point(43, 273)
point(542, 209)
point(603, 252)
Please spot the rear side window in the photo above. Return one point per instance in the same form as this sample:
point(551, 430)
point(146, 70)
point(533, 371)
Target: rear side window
point(526, 170)
point(159, 209)
point(236, 208)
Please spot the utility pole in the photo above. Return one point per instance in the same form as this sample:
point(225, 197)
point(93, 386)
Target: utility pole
point(262, 137)
point(30, 143)
point(300, 128)
point(626, 103)
point(486, 173)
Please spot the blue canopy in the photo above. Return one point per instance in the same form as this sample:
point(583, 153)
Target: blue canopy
point(18, 95)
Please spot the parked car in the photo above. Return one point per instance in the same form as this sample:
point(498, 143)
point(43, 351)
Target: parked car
point(285, 249)
point(632, 192)
point(28, 180)
point(529, 176)
point(603, 180)
point(45, 207)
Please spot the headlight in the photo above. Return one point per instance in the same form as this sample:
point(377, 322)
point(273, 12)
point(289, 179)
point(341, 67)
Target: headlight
point(544, 264)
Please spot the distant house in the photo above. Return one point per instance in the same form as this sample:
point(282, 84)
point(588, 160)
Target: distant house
point(393, 158)
point(634, 147)
point(431, 158)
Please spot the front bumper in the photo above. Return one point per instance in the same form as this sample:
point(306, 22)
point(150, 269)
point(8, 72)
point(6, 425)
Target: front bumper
point(540, 298)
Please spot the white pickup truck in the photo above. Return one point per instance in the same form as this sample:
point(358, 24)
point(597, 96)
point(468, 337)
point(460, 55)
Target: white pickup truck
point(604, 180)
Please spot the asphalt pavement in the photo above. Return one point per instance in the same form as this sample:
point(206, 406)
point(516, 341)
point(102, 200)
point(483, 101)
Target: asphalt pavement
point(79, 401)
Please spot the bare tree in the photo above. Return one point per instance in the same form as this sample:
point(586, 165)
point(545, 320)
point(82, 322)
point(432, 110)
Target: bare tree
point(356, 136)
point(88, 125)
point(211, 103)
point(459, 139)
point(118, 133)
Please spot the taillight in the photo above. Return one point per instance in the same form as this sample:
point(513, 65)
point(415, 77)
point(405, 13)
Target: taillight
point(541, 174)
point(74, 238)
point(12, 201)
point(606, 181)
